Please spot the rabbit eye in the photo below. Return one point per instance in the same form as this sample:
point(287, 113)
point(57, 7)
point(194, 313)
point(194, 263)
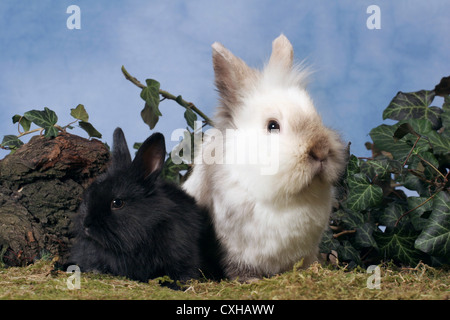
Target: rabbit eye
point(117, 204)
point(273, 125)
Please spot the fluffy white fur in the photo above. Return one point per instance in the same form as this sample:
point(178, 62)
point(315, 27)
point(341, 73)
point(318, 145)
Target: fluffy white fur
point(267, 223)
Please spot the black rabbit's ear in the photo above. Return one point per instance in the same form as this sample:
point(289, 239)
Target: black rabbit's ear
point(120, 155)
point(151, 155)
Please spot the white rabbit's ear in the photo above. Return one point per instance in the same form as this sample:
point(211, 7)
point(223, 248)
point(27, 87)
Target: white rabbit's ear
point(282, 53)
point(230, 74)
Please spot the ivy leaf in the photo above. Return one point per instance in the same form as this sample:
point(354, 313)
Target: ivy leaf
point(420, 129)
point(80, 113)
point(377, 167)
point(399, 246)
point(399, 139)
point(390, 216)
point(446, 105)
point(424, 166)
point(416, 215)
point(346, 252)
point(382, 137)
point(150, 116)
point(11, 142)
point(45, 119)
point(435, 236)
point(412, 182)
point(24, 122)
point(414, 202)
point(190, 117)
point(350, 219)
point(362, 193)
point(440, 143)
point(353, 165)
point(445, 117)
point(403, 130)
point(137, 145)
point(150, 94)
point(413, 105)
point(328, 242)
point(171, 171)
point(421, 126)
point(89, 128)
point(363, 235)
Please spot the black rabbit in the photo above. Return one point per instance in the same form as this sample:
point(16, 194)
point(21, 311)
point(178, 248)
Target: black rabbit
point(133, 224)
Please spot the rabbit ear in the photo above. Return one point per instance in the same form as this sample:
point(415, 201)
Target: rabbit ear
point(230, 74)
point(120, 155)
point(150, 156)
point(282, 53)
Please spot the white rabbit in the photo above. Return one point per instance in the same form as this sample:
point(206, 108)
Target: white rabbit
point(268, 222)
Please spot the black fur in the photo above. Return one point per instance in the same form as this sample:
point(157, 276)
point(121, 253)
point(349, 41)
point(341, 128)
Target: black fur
point(135, 225)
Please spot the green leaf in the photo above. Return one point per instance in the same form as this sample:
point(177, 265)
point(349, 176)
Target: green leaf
point(150, 94)
point(89, 128)
point(362, 194)
point(11, 142)
point(390, 216)
point(424, 166)
point(446, 105)
point(346, 252)
point(171, 171)
point(445, 117)
point(413, 105)
point(350, 219)
point(80, 113)
point(51, 132)
point(353, 165)
point(414, 202)
point(420, 126)
point(45, 119)
point(440, 143)
point(363, 235)
point(399, 246)
point(190, 117)
point(400, 138)
point(380, 168)
point(137, 145)
point(412, 182)
point(150, 116)
point(403, 130)
point(435, 236)
point(328, 242)
point(382, 137)
point(416, 215)
point(24, 122)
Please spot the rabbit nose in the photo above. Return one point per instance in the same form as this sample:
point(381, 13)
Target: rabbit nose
point(319, 154)
point(319, 149)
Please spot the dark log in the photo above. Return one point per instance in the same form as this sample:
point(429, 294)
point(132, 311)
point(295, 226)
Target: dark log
point(41, 187)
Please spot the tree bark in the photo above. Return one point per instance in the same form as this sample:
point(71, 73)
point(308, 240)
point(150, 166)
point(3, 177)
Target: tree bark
point(41, 187)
